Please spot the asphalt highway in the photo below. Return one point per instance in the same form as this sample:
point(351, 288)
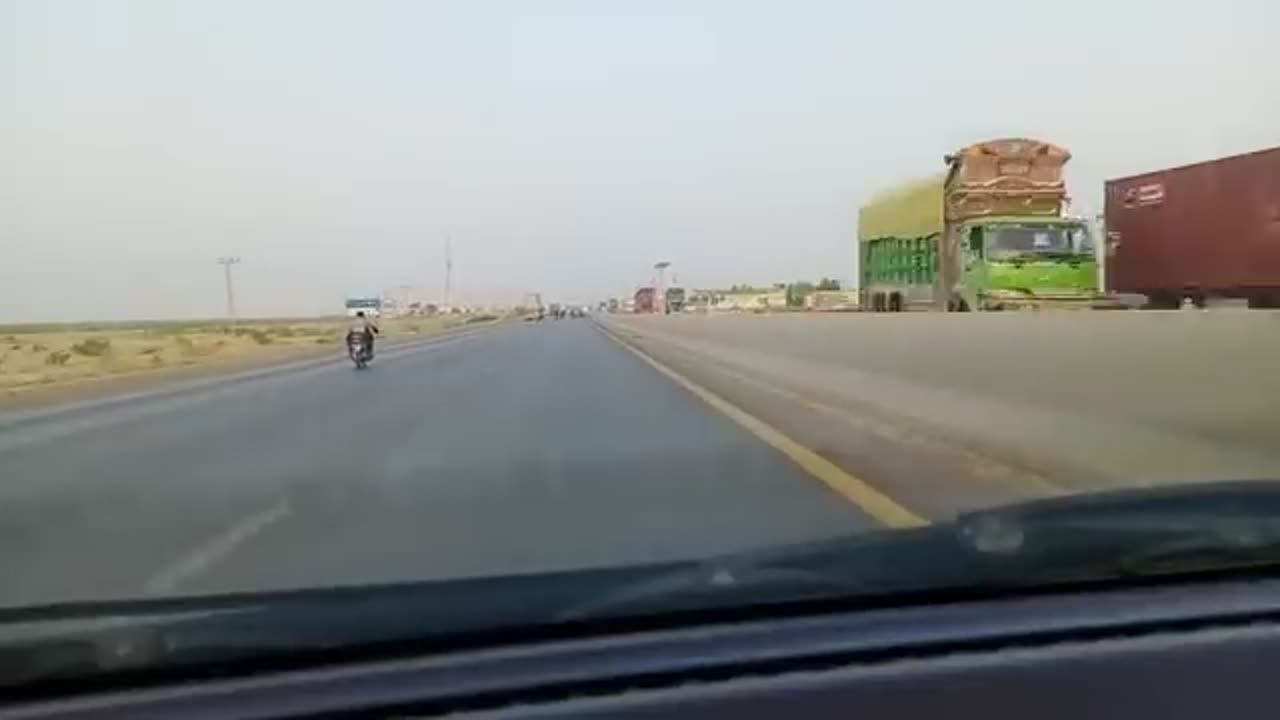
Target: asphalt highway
point(1087, 401)
point(514, 449)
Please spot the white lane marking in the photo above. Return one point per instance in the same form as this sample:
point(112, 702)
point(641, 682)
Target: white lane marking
point(206, 555)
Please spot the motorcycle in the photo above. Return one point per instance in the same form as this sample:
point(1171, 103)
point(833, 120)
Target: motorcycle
point(358, 350)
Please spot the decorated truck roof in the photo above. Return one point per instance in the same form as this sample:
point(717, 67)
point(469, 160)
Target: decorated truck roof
point(1004, 177)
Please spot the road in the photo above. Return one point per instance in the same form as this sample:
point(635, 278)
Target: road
point(1083, 401)
point(519, 448)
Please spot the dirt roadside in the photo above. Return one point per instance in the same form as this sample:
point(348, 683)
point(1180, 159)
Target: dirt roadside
point(90, 388)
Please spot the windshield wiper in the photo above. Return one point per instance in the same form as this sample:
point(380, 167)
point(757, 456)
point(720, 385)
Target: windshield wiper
point(1110, 535)
point(1171, 529)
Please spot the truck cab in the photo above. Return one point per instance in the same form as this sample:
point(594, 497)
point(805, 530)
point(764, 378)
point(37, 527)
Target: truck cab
point(1011, 242)
point(1015, 262)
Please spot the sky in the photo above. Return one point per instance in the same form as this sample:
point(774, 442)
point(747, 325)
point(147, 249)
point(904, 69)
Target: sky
point(563, 146)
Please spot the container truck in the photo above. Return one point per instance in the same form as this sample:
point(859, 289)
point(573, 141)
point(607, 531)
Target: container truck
point(644, 300)
point(987, 234)
point(1195, 233)
point(675, 300)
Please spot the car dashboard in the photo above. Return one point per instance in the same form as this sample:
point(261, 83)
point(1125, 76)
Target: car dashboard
point(1168, 650)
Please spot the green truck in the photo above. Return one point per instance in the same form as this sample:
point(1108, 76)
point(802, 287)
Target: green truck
point(988, 234)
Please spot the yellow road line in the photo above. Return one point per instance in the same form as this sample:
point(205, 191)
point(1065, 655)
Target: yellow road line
point(858, 491)
point(1027, 480)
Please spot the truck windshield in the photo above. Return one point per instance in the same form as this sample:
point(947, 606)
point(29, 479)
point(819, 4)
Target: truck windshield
point(1010, 240)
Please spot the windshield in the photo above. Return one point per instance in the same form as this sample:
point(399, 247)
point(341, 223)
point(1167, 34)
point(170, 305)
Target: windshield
point(1014, 240)
point(651, 287)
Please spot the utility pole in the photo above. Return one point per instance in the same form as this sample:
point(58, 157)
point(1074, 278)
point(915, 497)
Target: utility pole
point(226, 262)
point(406, 297)
point(1101, 249)
point(448, 271)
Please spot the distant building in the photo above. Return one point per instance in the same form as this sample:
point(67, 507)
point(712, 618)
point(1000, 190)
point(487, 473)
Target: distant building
point(751, 301)
point(831, 300)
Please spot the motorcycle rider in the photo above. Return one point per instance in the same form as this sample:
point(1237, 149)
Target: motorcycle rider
point(366, 328)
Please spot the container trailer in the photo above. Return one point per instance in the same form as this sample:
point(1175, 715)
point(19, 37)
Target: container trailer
point(1196, 233)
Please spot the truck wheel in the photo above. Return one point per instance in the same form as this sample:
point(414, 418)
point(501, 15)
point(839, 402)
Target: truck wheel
point(1191, 300)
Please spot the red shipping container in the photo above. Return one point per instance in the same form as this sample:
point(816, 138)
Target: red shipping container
point(644, 299)
point(1209, 230)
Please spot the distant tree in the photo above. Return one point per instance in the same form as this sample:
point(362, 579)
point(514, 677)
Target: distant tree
point(797, 292)
point(748, 288)
point(827, 283)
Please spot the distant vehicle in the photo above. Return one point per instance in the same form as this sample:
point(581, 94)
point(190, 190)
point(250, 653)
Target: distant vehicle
point(1197, 232)
point(989, 234)
point(644, 300)
point(371, 306)
point(675, 300)
point(613, 305)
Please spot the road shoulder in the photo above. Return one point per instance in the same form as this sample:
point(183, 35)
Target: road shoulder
point(930, 477)
point(108, 386)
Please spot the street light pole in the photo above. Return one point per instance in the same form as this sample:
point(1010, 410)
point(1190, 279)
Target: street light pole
point(226, 262)
point(406, 297)
point(448, 272)
point(660, 301)
point(1101, 244)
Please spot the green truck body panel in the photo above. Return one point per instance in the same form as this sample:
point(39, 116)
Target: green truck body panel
point(913, 246)
point(1047, 277)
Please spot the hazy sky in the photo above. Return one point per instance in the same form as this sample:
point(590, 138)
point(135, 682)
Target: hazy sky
point(566, 146)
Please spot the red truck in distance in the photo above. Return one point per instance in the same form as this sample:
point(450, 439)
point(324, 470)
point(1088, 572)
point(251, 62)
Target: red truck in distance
point(644, 300)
